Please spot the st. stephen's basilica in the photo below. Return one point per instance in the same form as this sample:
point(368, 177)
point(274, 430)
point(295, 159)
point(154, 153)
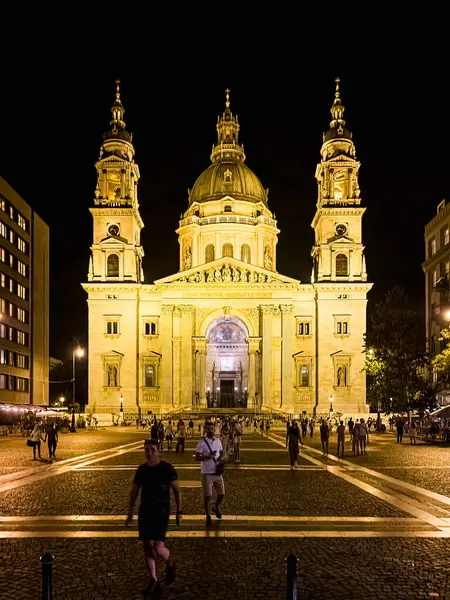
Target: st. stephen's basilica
point(227, 330)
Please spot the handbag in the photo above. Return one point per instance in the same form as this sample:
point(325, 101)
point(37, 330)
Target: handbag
point(220, 466)
point(30, 443)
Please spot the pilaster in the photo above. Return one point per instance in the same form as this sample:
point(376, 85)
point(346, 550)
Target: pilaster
point(267, 313)
point(286, 358)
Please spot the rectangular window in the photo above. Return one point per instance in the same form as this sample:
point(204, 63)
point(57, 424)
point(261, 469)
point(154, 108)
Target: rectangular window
point(2, 279)
point(22, 222)
point(11, 236)
point(21, 384)
point(2, 331)
point(11, 212)
point(21, 337)
point(301, 329)
point(2, 356)
point(342, 326)
point(2, 381)
point(112, 327)
point(434, 278)
point(11, 285)
point(3, 304)
point(21, 314)
point(150, 328)
point(2, 255)
point(2, 203)
point(11, 382)
point(11, 260)
point(11, 360)
point(22, 268)
point(432, 247)
point(21, 361)
point(21, 244)
point(3, 230)
point(21, 291)
point(11, 309)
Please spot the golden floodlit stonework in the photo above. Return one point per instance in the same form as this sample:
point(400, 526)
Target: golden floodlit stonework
point(227, 330)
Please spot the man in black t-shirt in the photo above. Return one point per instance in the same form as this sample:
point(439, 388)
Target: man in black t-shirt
point(154, 479)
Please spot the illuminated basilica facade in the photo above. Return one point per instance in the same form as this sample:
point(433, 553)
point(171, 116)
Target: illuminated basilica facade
point(227, 330)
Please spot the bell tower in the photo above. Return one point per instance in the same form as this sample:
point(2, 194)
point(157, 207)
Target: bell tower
point(338, 252)
point(116, 252)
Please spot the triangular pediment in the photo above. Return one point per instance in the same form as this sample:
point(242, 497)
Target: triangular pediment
point(113, 241)
point(227, 271)
point(341, 158)
point(341, 240)
point(113, 354)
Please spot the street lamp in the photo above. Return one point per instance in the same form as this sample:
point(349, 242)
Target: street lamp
point(77, 352)
point(331, 405)
point(121, 408)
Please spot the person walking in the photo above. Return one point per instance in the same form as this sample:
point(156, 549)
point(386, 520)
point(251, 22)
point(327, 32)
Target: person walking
point(324, 436)
point(237, 435)
point(154, 479)
point(161, 435)
point(412, 432)
point(294, 440)
point(304, 427)
point(363, 437)
point(226, 442)
point(154, 430)
point(169, 435)
point(210, 453)
point(52, 439)
point(341, 438)
point(400, 429)
point(191, 427)
point(35, 439)
point(355, 438)
point(288, 431)
point(311, 427)
point(181, 435)
point(351, 424)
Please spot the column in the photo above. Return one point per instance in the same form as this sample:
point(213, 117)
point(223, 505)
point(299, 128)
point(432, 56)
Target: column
point(199, 344)
point(165, 334)
point(176, 357)
point(253, 348)
point(286, 354)
point(267, 312)
point(276, 357)
point(187, 330)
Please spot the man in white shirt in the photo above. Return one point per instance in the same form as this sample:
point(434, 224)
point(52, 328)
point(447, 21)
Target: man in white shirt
point(209, 452)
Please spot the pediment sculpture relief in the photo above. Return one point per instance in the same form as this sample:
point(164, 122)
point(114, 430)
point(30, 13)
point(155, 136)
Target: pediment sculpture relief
point(228, 274)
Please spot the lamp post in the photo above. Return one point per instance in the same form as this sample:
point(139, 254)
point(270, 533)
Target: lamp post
point(331, 405)
point(77, 352)
point(121, 408)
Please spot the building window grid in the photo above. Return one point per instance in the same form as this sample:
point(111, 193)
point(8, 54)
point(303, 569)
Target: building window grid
point(112, 327)
point(150, 328)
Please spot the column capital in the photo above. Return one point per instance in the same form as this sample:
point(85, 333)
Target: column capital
point(199, 344)
point(267, 309)
point(166, 309)
point(254, 344)
point(287, 309)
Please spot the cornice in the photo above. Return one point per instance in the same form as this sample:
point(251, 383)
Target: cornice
point(342, 287)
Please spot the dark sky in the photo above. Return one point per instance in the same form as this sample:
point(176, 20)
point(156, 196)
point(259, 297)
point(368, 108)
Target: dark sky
point(53, 119)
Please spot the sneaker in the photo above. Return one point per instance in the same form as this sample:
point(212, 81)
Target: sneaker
point(217, 512)
point(171, 570)
point(208, 520)
point(152, 587)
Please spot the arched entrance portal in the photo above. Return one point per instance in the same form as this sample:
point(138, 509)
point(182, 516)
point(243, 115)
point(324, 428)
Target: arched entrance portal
point(227, 364)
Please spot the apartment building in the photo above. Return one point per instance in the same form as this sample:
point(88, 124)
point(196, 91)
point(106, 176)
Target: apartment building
point(24, 301)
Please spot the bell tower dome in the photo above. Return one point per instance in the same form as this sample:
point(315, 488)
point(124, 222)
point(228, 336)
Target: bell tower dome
point(228, 213)
point(116, 252)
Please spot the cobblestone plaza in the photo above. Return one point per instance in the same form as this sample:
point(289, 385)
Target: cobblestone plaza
point(374, 526)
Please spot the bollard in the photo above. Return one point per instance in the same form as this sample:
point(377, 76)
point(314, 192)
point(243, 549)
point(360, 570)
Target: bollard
point(291, 570)
point(47, 567)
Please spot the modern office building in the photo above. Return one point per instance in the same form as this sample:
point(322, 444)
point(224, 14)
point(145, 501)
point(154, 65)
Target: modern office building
point(24, 301)
point(437, 292)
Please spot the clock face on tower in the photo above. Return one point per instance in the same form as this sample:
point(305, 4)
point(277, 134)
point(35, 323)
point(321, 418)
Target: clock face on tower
point(341, 229)
point(113, 230)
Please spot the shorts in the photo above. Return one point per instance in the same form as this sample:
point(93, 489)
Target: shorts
point(169, 438)
point(153, 525)
point(210, 482)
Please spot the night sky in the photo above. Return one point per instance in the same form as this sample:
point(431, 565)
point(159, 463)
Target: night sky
point(53, 120)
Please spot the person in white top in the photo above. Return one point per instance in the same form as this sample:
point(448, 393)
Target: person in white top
point(209, 452)
point(36, 438)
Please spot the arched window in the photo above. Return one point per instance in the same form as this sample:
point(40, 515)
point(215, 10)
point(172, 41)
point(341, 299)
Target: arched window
point(246, 254)
point(150, 376)
point(113, 266)
point(304, 376)
point(227, 250)
point(341, 265)
point(209, 253)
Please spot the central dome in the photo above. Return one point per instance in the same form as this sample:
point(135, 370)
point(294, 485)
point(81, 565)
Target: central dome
point(228, 178)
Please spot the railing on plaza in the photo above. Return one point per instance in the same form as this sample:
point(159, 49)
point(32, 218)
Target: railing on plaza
point(47, 576)
point(291, 562)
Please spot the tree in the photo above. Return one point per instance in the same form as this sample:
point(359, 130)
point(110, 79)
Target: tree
point(396, 361)
point(441, 362)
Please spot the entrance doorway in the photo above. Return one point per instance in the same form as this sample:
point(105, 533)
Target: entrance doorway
point(227, 393)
